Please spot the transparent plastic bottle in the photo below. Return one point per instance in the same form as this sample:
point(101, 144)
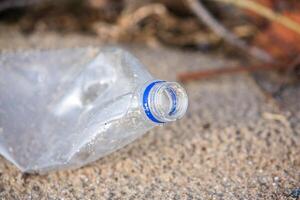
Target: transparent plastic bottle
point(66, 108)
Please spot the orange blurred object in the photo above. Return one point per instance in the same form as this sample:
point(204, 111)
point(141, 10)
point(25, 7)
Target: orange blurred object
point(278, 40)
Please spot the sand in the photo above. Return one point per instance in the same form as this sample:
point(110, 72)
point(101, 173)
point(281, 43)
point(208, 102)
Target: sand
point(234, 143)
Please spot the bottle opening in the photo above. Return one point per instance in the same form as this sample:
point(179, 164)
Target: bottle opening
point(164, 101)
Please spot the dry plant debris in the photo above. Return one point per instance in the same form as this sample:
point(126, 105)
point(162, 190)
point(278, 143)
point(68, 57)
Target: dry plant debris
point(278, 36)
point(273, 26)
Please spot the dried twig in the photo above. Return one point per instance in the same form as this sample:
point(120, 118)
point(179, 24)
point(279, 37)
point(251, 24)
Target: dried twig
point(289, 69)
point(128, 21)
point(204, 74)
point(265, 12)
point(201, 12)
point(128, 26)
point(141, 13)
point(277, 117)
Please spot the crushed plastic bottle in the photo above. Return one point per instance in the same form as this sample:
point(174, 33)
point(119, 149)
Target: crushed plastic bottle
point(66, 108)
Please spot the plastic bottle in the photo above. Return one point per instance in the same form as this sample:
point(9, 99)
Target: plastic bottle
point(66, 108)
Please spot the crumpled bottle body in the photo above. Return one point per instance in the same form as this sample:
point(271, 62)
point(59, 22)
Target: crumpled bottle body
point(66, 108)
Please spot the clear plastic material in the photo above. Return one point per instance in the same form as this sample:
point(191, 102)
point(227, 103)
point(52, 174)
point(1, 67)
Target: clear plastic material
point(66, 108)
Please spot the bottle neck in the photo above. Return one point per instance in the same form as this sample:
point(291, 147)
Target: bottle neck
point(164, 101)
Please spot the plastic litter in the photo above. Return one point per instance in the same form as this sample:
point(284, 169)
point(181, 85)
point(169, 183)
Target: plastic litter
point(66, 108)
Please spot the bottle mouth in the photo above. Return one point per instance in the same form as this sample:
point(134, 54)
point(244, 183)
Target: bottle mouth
point(164, 101)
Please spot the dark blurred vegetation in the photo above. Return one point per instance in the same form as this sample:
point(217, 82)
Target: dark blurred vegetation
point(167, 22)
point(266, 30)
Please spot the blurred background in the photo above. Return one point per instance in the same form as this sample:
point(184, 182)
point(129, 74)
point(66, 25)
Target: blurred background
point(267, 31)
point(262, 28)
point(241, 136)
